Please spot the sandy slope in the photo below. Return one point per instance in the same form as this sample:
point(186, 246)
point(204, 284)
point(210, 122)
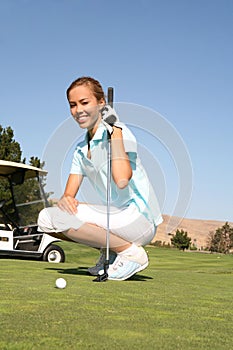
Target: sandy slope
point(198, 230)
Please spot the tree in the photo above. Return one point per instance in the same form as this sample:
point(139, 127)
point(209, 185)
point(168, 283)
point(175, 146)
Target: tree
point(9, 148)
point(35, 161)
point(181, 240)
point(221, 240)
point(28, 192)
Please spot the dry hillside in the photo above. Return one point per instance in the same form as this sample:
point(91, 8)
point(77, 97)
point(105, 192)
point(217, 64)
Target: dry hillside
point(198, 230)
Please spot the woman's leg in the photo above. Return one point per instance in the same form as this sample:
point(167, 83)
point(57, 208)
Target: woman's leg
point(95, 236)
point(127, 226)
point(54, 221)
point(127, 223)
point(89, 226)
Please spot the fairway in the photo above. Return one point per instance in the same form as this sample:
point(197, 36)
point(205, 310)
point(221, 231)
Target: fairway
point(183, 300)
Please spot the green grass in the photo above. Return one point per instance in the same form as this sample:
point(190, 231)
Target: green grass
point(181, 301)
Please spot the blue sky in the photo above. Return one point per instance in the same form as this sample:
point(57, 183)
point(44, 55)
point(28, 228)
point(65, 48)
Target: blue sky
point(173, 57)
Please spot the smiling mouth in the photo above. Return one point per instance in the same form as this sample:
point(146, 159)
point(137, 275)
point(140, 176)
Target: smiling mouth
point(81, 119)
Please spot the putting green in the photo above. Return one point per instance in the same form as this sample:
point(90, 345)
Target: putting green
point(181, 301)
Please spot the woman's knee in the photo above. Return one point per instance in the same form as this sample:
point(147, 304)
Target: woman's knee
point(44, 219)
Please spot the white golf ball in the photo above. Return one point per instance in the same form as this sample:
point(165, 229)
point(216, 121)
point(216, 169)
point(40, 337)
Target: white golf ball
point(60, 283)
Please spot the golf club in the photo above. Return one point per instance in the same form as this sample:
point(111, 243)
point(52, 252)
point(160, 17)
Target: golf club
point(104, 276)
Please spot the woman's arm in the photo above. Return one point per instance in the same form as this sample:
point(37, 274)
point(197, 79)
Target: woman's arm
point(121, 168)
point(68, 202)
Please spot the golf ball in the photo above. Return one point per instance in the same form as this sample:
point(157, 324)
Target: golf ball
point(60, 283)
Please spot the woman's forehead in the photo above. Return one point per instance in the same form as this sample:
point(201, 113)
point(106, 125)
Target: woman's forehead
point(81, 92)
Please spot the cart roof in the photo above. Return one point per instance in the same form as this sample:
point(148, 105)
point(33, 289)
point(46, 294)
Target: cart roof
point(8, 168)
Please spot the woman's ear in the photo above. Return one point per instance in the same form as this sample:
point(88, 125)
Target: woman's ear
point(102, 102)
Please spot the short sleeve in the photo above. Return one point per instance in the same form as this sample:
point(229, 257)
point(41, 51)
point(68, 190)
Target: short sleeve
point(76, 165)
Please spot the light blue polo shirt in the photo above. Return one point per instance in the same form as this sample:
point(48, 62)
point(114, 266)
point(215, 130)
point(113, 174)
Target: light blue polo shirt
point(138, 191)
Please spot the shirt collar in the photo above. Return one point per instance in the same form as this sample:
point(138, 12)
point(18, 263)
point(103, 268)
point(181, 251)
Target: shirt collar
point(98, 134)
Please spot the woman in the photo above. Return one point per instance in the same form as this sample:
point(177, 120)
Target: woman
point(134, 213)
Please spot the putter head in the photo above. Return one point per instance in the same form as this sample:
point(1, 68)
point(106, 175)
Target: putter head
point(103, 277)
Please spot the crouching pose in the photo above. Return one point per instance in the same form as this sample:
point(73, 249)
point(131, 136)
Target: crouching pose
point(134, 211)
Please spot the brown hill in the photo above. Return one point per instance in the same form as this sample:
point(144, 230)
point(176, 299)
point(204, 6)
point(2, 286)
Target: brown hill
point(198, 230)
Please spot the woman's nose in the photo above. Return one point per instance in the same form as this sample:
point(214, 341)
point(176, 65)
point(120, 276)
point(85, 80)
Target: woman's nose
point(79, 109)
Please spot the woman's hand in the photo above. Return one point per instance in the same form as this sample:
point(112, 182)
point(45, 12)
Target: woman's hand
point(69, 204)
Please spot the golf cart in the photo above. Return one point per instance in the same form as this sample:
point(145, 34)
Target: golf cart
point(22, 197)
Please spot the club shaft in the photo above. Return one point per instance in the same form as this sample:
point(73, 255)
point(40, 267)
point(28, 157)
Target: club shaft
point(109, 175)
point(108, 198)
point(110, 96)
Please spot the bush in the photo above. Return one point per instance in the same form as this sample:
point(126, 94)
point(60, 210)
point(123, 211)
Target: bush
point(181, 240)
point(221, 241)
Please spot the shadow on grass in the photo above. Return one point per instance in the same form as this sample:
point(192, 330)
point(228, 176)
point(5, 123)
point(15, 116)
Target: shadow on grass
point(83, 271)
point(76, 271)
point(140, 278)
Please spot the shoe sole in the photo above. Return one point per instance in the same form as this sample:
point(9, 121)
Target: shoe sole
point(140, 268)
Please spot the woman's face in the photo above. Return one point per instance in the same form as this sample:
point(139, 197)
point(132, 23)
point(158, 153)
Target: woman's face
point(84, 107)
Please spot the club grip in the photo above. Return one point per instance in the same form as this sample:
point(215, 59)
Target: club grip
point(110, 96)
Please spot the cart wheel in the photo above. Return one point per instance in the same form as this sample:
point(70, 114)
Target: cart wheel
point(54, 254)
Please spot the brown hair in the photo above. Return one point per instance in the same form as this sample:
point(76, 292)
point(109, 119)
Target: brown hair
point(93, 84)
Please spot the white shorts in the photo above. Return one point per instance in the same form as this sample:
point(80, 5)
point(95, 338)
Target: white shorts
point(127, 223)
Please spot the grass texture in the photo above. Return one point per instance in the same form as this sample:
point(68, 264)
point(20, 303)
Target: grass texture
point(183, 300)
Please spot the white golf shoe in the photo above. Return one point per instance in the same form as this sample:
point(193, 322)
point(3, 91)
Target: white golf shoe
point(127, 264)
